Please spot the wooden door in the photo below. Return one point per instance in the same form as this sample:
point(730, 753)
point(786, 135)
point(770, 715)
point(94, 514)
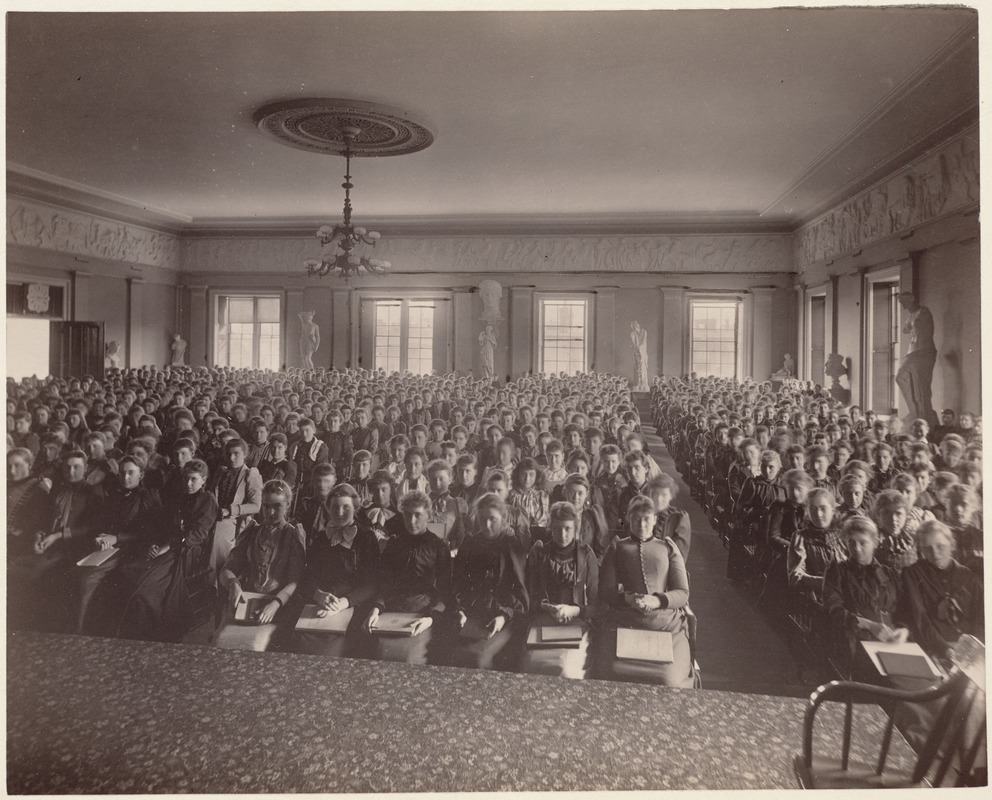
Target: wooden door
point(884, 346)
point(817, 338)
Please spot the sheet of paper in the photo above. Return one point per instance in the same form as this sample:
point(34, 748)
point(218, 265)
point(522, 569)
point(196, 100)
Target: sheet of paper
point(638, 645)
point(907, 648)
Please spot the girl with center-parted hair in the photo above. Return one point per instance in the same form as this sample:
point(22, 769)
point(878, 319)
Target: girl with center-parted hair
point(342, 572)
point(861, 595)
point(489, 591)
point(563, 588)
point(815, 546)
point(268, 558)
point(415, 578)
point(643, 585)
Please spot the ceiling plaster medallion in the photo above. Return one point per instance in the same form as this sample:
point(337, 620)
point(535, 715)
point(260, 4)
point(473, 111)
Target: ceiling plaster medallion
point(318, 125)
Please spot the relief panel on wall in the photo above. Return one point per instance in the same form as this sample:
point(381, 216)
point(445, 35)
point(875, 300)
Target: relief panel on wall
point(939, 183)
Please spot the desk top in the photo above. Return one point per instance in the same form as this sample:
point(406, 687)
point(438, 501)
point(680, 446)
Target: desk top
point(104, 715)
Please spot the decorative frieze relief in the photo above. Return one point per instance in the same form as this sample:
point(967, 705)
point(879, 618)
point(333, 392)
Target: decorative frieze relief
point(739, 253)
point(78, 233)
point(935, 184)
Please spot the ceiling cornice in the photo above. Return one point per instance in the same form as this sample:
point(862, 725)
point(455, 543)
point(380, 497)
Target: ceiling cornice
point(33, 184)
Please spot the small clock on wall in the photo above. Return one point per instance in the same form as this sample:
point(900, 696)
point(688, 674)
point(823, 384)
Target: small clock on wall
point(39, 298)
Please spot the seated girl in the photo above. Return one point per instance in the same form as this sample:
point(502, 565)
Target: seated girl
point(313, 510)
point(969, 540)
point(851, 491)
point(644, 585)
point(672, 523)
point(268, 558)
point(815, 546)
point(415, 579)
point(860, 595)
point(489, 589)
point(897, 542)
point(342, 572)
point(529, 495)
point(159, 586)
point(380, 515)
point(562, 587)
point(942, 599)
point(750, 516)
point(593, 530)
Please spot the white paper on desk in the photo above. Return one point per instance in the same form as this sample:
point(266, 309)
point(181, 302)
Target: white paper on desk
point(638, 645)
point(332, 623)
point(95, 559)
point(906, 648)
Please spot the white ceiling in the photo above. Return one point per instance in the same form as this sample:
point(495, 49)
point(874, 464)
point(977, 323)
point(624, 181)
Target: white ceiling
point(747, 116)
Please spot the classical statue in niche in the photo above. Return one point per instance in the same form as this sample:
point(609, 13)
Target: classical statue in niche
point(112, 354)
point(309, 338)
point(490, 292)
point(639, 344)
point(916, 373)
point(178, 350)
point(487, 348)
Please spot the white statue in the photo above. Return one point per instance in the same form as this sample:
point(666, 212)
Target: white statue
point(491, 292)
point(487, 346)
point(309, 338)
point(178, 350)
point(639, 344)
point(112, 354)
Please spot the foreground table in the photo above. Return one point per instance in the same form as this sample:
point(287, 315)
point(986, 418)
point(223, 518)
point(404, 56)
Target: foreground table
point(101, 715)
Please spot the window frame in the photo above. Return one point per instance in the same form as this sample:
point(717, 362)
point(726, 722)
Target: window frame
point(541, 299)
point(405, 303)
point(255, 296)
point(742, 341)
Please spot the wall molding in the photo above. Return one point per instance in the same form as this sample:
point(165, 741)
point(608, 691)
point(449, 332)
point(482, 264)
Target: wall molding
point(44, 226)
point(660, 254)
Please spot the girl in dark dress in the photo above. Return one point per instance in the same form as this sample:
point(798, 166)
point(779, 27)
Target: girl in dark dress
point(415, 579)
point(860, 595)
point(342, 573)
point(489, 589)
point(750, 516)
point(158, 607)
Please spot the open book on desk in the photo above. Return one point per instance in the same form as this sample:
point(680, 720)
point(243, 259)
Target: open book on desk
point(655, 647)
point(332, 623)
point(250, 606)
point(98, 557)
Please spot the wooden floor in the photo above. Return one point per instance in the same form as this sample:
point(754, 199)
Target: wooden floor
point(738, 649)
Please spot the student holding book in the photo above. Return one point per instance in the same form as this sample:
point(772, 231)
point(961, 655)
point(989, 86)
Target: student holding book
point(563, 587)
point(415, 581)
point(644, 586)
point(340, 580)
point(489, 590)
point(261, 574)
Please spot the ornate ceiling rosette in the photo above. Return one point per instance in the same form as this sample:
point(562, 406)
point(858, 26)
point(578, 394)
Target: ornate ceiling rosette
point(317, 125)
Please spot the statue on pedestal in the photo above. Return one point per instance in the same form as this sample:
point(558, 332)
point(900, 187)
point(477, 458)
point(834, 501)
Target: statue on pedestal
point(487, 347)
point(178, 350)
point(309, 338)
point(788, 370)
point(915, 376)
point(112, 354)
point(639, 344)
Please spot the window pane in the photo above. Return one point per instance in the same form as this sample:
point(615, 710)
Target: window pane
point(714, 338)
point(268, 346)
point(241, 309)
point(240, 345)
point(268, 309)
point(563, 336)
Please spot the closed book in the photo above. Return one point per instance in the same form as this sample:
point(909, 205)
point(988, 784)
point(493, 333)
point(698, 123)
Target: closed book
point(906, 665)
point(97, 558)
point(250, 606)
point(475, 629)
point(639, 645)
point(543, 636)
point(332, 623)
point(395, 623)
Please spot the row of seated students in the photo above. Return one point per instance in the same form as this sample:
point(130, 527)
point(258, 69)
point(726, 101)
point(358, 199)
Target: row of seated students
point(840, 521)
point(528, 514)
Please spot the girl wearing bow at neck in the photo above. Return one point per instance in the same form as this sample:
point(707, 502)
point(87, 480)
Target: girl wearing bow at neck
point(342, 573)
point(268, 558)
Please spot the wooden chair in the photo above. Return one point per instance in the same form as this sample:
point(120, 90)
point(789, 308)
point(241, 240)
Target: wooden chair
point(952, 753)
